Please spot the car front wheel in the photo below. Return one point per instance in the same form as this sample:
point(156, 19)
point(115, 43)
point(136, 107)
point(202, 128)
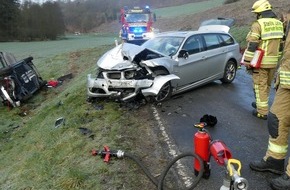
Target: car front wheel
point(164, 93)
point(230, 72)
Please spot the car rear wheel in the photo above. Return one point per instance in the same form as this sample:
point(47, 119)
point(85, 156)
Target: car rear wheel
point(230, 72)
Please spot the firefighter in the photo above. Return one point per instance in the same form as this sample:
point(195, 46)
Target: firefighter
point(279, 124)
point(265, 34)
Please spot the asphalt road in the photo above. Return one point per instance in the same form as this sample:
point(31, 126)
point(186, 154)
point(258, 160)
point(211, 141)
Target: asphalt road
point(245, 135)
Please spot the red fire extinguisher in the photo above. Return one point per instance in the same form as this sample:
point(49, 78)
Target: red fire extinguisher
point(201, 146)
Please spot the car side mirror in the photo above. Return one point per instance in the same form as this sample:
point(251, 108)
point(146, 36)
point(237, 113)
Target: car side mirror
point(183, 54)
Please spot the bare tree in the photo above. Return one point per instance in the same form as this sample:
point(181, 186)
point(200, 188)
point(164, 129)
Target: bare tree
point(41, 22)
point(8, 19)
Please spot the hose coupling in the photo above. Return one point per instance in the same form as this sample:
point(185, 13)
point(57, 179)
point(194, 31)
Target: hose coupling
point(107, 153)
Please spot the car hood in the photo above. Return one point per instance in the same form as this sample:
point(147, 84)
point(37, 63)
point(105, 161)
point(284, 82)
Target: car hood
point(122, 56)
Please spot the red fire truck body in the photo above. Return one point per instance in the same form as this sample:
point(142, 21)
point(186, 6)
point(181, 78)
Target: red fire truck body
point(136, 24)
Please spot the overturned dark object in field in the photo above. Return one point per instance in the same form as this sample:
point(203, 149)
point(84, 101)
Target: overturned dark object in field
point(19, 79)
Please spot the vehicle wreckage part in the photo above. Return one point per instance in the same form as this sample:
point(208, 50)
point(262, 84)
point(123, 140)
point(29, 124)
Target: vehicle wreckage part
point(110, 87)
point(158, 83)
point(59, 122)
point(7, 97)
point(115, 88)
point(19, 78)
point(164, 93)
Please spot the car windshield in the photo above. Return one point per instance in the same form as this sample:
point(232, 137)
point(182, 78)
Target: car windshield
point(167, 45)
point(137, 17)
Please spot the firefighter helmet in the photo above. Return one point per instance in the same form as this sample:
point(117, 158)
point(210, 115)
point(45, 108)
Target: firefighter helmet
point(260, 6)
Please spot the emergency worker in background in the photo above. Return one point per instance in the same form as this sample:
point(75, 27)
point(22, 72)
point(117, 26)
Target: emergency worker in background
point(266, 34)
point(279, 124)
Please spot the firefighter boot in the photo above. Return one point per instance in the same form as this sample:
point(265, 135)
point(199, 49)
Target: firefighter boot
point(254, 105)
point(258, 115)
point(281, 183)
point(270, 165)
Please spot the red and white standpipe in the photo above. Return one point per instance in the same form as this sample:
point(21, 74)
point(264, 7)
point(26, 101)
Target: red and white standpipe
point(205, 147)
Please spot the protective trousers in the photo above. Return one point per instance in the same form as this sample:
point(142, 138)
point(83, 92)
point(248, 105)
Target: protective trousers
point(278, 126)
point(262, 80)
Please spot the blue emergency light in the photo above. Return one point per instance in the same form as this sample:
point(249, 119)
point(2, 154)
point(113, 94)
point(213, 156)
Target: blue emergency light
point(137, 30)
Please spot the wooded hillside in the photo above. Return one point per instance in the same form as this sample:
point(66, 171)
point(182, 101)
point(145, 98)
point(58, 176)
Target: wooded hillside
point(31, 21)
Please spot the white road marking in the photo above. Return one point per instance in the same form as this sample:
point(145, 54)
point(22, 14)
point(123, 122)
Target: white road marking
point(173, 151)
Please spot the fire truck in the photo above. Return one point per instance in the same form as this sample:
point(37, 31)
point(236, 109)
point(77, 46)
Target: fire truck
point(136, 24)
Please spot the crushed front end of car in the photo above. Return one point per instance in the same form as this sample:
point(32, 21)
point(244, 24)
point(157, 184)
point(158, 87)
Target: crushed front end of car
point(124, 72)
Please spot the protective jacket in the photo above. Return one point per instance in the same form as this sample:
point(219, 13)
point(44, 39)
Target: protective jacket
point(284, 70)
point(279, 115)
point(265, 34)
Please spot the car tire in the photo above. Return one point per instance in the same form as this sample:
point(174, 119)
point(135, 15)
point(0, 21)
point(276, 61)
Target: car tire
point(166, 90)
point(229, 72)
point(164, 93)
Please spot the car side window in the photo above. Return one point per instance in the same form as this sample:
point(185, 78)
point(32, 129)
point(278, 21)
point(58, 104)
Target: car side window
point(212, 41)
point(193, 44)
point(227, 40)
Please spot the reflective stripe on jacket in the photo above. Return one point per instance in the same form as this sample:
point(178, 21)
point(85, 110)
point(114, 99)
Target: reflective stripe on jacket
point(284, 70)
point(267, 33)
point(277, 148)
point(271, 28)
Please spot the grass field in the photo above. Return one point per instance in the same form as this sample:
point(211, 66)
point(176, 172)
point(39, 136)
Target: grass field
point(43, 50)
point(187, 9)
point(36, 155)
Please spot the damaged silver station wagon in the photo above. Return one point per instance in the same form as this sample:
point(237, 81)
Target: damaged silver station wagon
point(169, 63)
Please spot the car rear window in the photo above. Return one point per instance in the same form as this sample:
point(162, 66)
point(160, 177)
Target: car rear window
point(212, 41)
point(227, 40)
